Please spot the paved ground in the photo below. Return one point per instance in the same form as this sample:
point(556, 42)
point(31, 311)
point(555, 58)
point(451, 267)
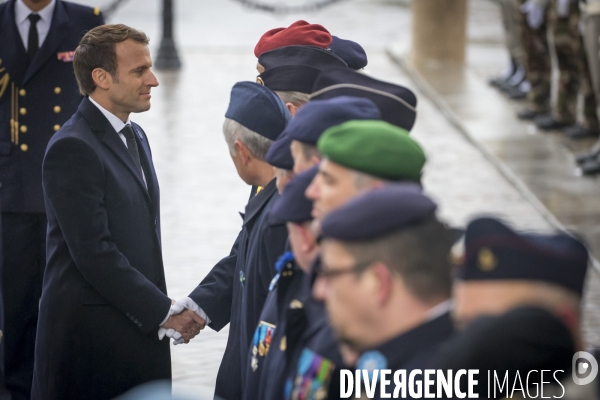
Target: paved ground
point(201, 193)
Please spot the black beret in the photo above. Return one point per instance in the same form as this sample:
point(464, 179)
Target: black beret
point(315, 117)
point(378, 212)
point(522, 340)
point(292, 205)
point(398, 105)
point(351, 52)
point(493, 251)
point(289, 78)
point(279, 154)
point(258, 109)
point(301, 55)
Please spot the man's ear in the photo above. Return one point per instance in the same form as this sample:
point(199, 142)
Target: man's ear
point(384, 278)
point(308, 238)
point(242, 152)
point(292, 108)
point(101, 78)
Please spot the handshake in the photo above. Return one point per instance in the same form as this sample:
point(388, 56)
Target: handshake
point(185, 321)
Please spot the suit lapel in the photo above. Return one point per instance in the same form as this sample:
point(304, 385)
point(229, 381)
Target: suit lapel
point(59, 30)
point(111, 139)
point(13, 56)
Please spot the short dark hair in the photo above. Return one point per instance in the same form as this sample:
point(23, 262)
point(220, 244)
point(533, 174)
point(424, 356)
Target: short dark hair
point(97, 49)
point(310, 151)
point(419, 253)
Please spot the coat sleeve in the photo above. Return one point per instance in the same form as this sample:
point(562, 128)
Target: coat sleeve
point(73, 181)
point(215, 293)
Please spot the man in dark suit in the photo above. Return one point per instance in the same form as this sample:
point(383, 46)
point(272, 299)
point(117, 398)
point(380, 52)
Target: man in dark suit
point(38, 93)
point(104, 295)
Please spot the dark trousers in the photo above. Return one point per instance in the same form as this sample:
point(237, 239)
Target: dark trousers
point(24, 246)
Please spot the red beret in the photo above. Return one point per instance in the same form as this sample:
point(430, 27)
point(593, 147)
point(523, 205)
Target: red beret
point(300, 33)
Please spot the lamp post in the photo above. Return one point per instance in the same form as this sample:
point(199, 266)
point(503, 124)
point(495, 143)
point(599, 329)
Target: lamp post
point(167, 58)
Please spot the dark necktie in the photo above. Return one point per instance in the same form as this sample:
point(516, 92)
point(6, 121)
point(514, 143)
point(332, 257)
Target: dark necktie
point(33, 41)
point(132, 145)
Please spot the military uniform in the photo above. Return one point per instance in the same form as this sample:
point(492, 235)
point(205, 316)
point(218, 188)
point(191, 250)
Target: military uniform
point(572, 63)
point(36, 97)
point(537, 63)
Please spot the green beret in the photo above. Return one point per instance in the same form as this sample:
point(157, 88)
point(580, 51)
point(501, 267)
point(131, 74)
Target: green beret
point(374, 147)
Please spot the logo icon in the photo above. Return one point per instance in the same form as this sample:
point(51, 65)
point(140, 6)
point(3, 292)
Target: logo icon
point(585, 368)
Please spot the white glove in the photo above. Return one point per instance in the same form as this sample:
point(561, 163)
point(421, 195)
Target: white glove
point(536, 13)
point(187, 303)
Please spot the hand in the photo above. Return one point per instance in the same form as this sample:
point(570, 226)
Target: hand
point(187, 323)
point(536, 13)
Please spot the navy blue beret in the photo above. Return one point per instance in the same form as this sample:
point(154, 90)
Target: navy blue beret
point(292, 205)
point(351, 52)
point(493, 251)
point(292, 78)
point(258, 109)
point(316, 116)
point(398, 105)
point(279, 154)
point(378, 212)
point(301, 55)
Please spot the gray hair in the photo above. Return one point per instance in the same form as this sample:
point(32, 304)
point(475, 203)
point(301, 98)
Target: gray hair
point(363, 180)
point(296, 98)
point(257, 144)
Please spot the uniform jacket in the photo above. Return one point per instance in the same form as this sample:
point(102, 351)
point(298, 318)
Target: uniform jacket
point(36, 99)
point(104, 292)
point(236, 288)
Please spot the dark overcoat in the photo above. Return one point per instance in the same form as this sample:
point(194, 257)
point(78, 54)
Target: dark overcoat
point(104, 292)
point(236, 288)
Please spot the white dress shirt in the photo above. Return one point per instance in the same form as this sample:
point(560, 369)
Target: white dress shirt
point(117, 125)
point(23, 23)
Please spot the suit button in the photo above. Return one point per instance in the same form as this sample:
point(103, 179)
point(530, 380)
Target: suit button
point(24, 147)
point(56, 109)
point(57, 90)
point(56, 127)
point(22, 110)
point(155, 222)
point(136, 321)
point(131, 317)
point(23, 128)
point(140, 324)
point(127, 314)
point(22, 92)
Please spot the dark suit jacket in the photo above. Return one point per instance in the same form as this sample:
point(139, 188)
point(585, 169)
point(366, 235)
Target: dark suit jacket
point(104, 292)
point(40, 96)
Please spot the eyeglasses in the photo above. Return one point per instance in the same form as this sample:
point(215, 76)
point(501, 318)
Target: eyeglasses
point(325, 271)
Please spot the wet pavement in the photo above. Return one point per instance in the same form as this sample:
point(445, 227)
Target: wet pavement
point(201, 193)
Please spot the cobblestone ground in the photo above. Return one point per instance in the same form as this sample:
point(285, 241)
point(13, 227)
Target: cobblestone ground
point(201, 193)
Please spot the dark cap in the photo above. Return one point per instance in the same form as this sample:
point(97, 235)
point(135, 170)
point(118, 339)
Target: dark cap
point(279, 154)
point(378, 212)
point(292, 205)
point(351, 52)
point(398, 105)
point(301, 55)
point(299, 33)
point(258, 109)
point(493, 251)
point(289, 78)
point(316, 116)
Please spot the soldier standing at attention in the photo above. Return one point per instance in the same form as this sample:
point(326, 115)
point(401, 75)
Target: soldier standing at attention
point(38, 93)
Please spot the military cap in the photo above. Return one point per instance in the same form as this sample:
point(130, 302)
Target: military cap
point(398, 105)
point(258, 109)
point(351, 52)
point(378, 212)
point(296, 78)
point(299, 33)
point(279, 154)
point(374, 147)
point(301, 55)
point(292, 205)
point(315, 117)
point(493, 251)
